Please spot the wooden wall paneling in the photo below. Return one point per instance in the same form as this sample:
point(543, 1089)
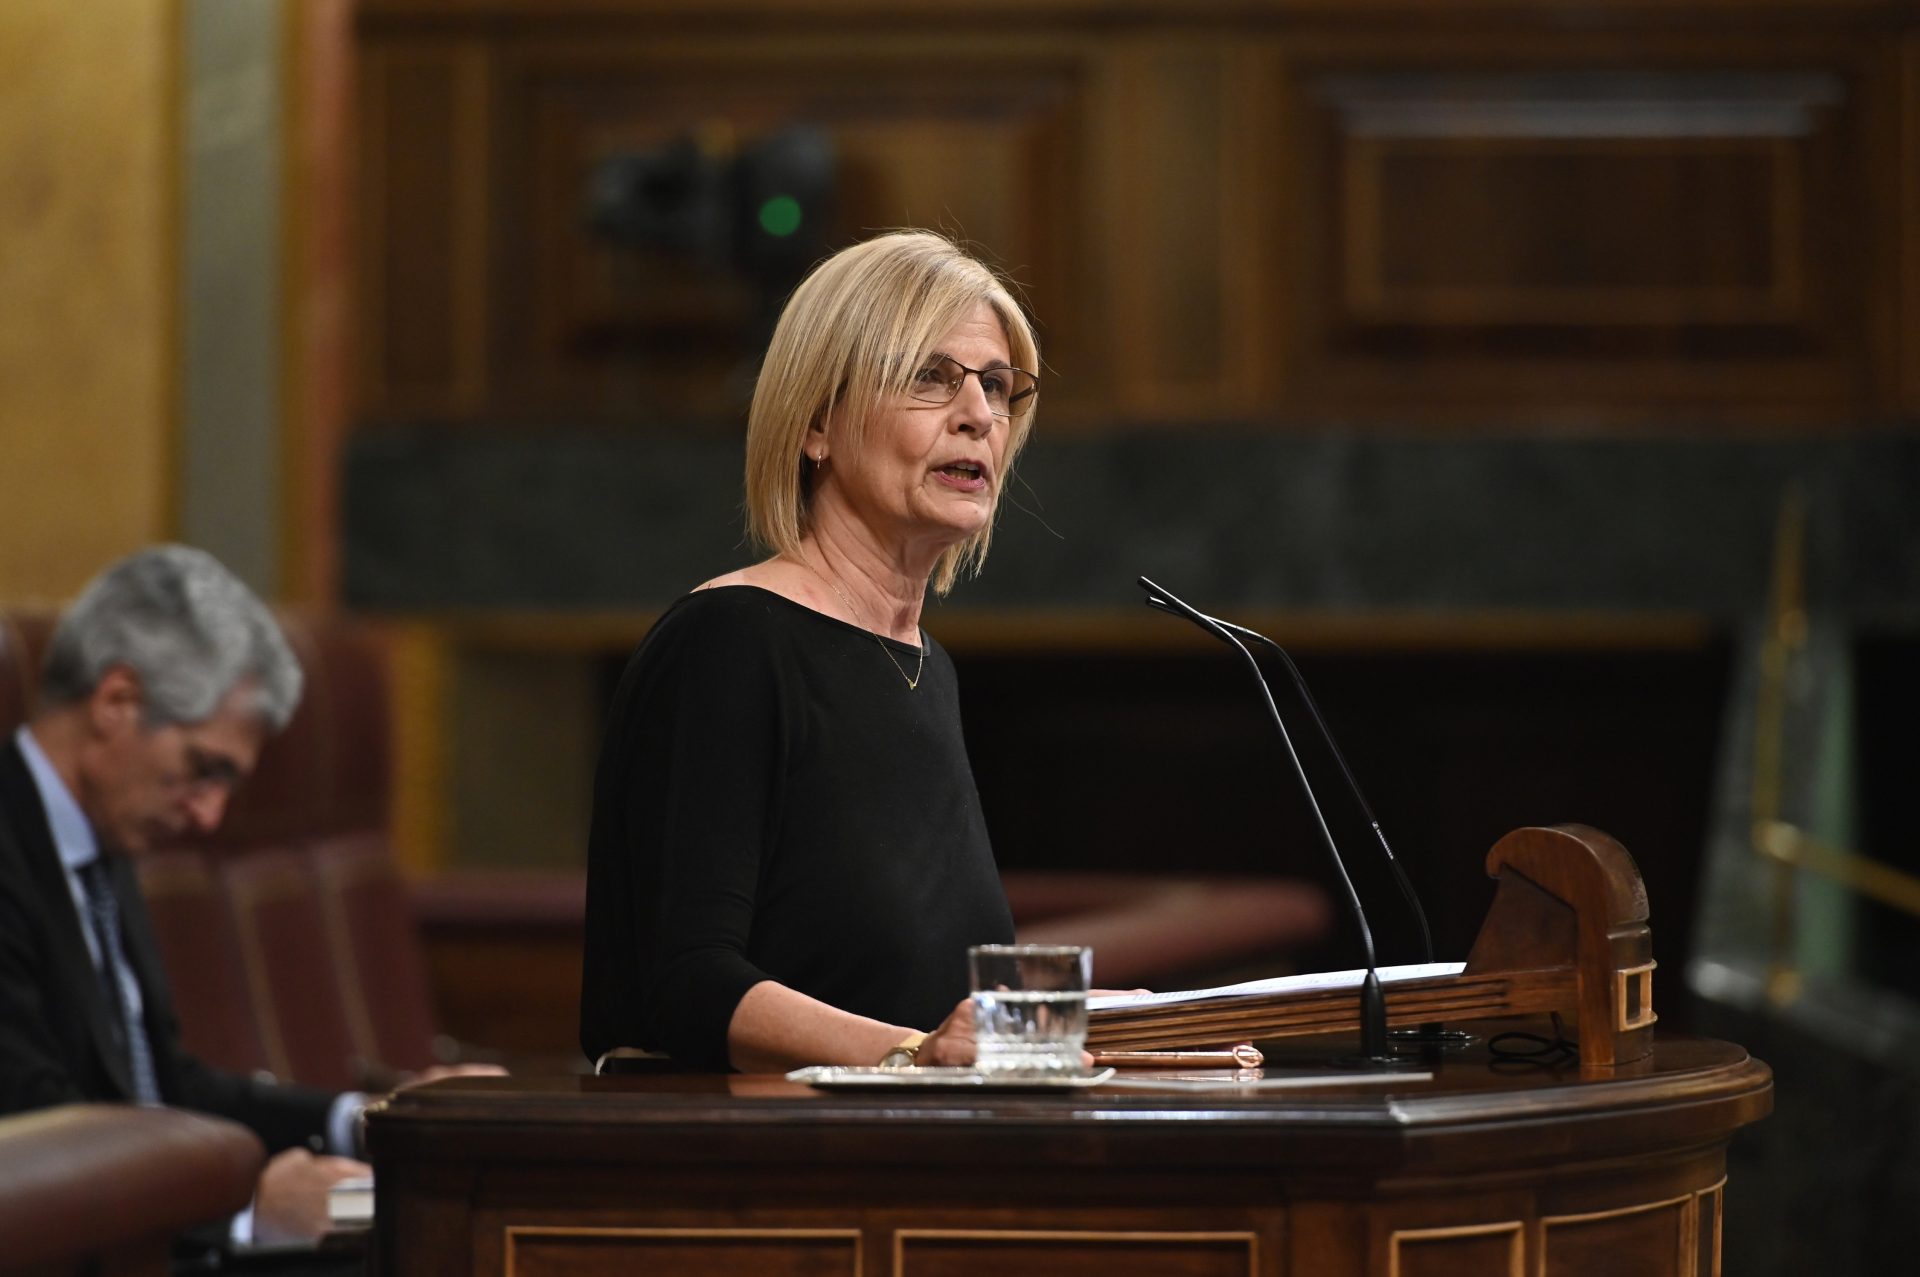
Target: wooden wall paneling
point(422, 788)
point(1415, 254)
point(1188, 229)
point(953, 134)
point(511, 988)
point(525, 729)
point(1104, 306)
point(1256, 260)
point(319, 317)
point(423, 280)
point(1067, 281)
point(1871, 228)
point(1008, 179)
point(588, 325)
point(1507, 212)
point(1908, 145)
point(1182, 213)
point(1478, 218)
point(1170, 237)
point(1646, 227)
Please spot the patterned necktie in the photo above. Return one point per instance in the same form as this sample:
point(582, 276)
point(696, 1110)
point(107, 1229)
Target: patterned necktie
point(103, 909)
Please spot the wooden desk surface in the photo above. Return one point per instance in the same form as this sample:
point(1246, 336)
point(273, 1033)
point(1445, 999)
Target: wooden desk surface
point(1481, 1163)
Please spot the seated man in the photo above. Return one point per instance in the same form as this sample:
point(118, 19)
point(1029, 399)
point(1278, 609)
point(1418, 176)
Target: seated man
point(162, 683)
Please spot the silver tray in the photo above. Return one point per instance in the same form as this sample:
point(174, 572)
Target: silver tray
point(840, 1078)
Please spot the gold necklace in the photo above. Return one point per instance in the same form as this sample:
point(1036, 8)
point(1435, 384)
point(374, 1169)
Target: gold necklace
point(918, 670)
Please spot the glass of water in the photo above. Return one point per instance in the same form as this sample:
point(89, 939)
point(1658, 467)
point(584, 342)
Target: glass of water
point(1030, 1007)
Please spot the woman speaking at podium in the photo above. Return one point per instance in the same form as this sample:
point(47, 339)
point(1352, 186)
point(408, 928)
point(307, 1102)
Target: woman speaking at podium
point(788, 858)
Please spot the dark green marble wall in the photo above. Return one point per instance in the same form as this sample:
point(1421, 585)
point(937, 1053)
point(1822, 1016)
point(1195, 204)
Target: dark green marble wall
point(563, 518)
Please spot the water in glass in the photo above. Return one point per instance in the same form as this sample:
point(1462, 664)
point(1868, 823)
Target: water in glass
point(1028, 1031)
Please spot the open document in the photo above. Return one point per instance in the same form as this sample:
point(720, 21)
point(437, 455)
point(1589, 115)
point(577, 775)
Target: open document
point(1314, 982)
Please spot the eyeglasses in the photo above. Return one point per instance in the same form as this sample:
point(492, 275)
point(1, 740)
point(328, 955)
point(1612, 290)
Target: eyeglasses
point(1010, 392)
point(204, 771)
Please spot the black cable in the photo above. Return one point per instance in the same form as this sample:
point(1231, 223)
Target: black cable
point(1538, 1050)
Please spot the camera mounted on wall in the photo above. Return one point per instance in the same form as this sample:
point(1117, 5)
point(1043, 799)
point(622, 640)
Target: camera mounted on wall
point(758, 211)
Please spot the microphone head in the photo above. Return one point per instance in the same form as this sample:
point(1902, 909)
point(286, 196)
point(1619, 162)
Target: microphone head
point(1156, 597)
point(1166, 601)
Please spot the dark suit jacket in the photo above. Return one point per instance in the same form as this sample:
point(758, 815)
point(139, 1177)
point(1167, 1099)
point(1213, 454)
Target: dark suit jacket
point(54, 1026)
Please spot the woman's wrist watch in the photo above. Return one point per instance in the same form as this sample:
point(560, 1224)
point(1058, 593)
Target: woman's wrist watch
point(904, 1055)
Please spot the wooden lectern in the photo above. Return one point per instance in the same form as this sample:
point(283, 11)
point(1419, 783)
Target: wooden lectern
point(1472, 1165)
point(1567, 933)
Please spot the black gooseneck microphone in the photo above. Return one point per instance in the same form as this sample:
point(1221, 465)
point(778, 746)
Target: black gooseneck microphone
point(1373, 1004)
point(1158, 598)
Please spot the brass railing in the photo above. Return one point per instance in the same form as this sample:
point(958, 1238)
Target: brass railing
point(1785, 846)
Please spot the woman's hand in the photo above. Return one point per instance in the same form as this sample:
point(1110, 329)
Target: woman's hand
point(952, 1043)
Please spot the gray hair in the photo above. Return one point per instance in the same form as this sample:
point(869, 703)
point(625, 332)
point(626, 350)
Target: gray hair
point(186, 626)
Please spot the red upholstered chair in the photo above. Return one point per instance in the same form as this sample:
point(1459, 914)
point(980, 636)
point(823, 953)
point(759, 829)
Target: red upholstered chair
point(200, 949)
point(1039, 895)
point(1147, 931)
point(288, 797)
point(351, 664)
point(294, 984)
point(15, 679)
point(104, 1188)
point(373, 940)
point(23, 642)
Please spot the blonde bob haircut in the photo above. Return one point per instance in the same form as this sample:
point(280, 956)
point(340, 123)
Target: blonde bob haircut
point(854, 333)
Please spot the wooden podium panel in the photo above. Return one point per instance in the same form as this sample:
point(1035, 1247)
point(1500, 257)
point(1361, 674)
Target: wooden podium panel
point(1483, 1167)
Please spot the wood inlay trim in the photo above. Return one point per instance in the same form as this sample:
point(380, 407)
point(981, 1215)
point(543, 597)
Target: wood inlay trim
point(1515, 1230)
point(902, 1235)
point(471, 290)
point(514, 1232)
point(1718, 1193)
point(1548, 1221)
point(1622, 981)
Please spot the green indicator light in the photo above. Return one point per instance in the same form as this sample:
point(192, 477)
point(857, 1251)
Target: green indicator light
point(780, 216)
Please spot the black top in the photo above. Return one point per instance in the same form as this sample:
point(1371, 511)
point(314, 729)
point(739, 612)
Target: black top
point(774, 803)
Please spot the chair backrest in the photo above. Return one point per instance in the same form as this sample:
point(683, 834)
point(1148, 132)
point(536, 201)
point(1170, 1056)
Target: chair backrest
point(23, 641)
point(293, 983)
point(328, 772)
point(200, 948)
point(373, 941)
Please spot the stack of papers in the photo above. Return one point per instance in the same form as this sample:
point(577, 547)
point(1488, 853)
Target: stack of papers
point(350, 1202)
point(1311, 983)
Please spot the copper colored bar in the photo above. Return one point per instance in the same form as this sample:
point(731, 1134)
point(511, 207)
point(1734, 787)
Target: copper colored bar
point(1244, 1056)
